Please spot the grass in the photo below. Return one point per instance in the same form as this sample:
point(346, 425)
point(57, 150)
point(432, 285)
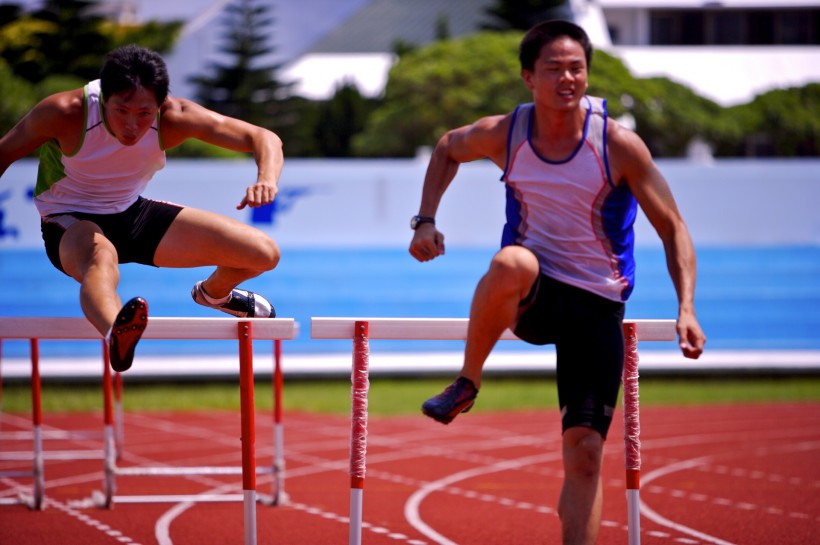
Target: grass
point(403, 396)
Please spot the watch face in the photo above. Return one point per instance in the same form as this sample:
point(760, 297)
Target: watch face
point(415, 221)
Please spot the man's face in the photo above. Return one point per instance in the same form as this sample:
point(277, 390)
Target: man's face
point(129, 114)
point(559, 77)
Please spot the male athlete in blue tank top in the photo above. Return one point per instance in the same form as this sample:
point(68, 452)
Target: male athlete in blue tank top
point(574, 180)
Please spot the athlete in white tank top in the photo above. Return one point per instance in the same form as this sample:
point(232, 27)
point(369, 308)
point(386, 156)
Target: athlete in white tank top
point(103, 176)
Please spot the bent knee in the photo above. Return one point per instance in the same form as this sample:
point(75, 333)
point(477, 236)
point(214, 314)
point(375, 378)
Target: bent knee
point(515, 266)
point(267, 253)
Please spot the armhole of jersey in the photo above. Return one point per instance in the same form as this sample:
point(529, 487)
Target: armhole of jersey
point(510, 137)
point(85, 124)
point(605, 150)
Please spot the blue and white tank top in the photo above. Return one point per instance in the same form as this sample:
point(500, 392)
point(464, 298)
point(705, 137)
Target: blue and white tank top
point(103, 176)
point(569, 213)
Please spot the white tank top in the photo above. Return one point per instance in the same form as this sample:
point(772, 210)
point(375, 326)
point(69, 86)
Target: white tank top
point(103, 176)
point(569, 213)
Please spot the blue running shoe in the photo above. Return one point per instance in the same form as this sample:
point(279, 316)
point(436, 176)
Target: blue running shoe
point(456, 398)
point(126, 332)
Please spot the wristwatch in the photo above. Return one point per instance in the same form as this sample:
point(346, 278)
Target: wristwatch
point(415, 221)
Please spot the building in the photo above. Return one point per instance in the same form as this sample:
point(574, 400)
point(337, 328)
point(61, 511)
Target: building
point(728, 51)
point(725, 50)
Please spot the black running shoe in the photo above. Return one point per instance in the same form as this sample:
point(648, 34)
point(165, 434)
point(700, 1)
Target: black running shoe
point(242, 304)
point(456, 398)
point(126, 332)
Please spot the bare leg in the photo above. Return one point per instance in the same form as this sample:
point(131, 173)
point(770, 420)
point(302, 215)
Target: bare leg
point(199, 238)
point(581, 495)
point(508, 281)
point(91, 259)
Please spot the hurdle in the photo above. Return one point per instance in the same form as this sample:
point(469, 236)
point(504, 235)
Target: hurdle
point(361, 330)
point(244, 330)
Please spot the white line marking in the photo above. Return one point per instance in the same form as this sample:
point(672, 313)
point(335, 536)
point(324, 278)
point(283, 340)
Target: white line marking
point(649, 513)
point(411, 506)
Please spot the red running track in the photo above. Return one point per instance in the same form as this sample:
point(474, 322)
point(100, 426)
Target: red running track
point(711, 475)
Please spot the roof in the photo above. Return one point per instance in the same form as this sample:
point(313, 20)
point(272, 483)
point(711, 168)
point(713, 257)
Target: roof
point(379, 24)
point(707, 4)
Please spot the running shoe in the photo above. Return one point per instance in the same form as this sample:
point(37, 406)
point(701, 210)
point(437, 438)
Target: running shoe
point(242, 304)
point(456, 398)
point(126, 332)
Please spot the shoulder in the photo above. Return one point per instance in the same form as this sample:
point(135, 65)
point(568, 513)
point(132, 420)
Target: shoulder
point(68, 104)
point(495, 125)
point(60, 115)
point(181, 114)
point(179, 110)
point(484, 138)
point(627, 152)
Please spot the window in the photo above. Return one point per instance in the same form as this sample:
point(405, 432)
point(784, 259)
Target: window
point(734, 27)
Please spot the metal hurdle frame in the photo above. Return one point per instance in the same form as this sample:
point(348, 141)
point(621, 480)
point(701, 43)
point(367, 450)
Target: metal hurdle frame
point(361, 330)
point(244, 330)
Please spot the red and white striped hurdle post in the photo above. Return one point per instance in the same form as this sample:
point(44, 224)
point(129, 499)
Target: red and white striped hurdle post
point(245, 330)
point(361, 330)
point(360, 383)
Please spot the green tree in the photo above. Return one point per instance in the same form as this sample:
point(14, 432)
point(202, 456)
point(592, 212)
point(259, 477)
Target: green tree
point(61, 37)
point(17, 96)
point(340, 119)
point(61, 46)
point(444, 85)
point(157, 35)
point(453, 83)
point(244, 87)
point(67, 37)
point(782, 123)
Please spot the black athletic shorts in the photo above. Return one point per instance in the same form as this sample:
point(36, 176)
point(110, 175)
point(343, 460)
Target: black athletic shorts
point(587, 331)
point(135, 232)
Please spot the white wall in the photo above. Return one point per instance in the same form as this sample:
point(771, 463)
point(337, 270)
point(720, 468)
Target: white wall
point(369, 203)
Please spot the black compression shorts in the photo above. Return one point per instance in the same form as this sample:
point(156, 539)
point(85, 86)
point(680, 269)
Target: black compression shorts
point(587, 331)
point(135, 232)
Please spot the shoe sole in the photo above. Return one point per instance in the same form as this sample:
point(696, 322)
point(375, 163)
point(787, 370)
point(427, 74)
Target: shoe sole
point(126, 332)
point(449, 417)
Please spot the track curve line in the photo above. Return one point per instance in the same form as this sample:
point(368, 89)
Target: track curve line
point(413, 503)
point(651, 514)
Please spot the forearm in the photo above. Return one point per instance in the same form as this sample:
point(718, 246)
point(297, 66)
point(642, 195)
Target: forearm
point(681, 262)
point(440, 172)
point(269, 156)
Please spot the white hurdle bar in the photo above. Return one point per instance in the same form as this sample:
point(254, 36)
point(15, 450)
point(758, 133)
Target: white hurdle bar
point(361, 330)
point(244, 330)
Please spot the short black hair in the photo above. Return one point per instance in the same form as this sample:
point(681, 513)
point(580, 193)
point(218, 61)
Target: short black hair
point(130, 67)
point(548, 31)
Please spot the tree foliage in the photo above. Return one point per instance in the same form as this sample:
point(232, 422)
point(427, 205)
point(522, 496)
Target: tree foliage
point(444, 85)
point(782, 123)
point(453, 83)
point(244, 87)
point(68, 37)
point(59, 46)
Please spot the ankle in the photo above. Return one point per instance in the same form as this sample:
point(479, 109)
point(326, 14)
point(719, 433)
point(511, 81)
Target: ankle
point(214, 300)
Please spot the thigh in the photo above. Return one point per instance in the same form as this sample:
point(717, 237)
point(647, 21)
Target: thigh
point(200, 238)
point(84, 245)
point(590, 355)
point(539, 313)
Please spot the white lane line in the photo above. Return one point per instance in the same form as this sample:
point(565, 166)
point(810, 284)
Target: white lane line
point(411, 506)
point(649, 513)
point(91, 522)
